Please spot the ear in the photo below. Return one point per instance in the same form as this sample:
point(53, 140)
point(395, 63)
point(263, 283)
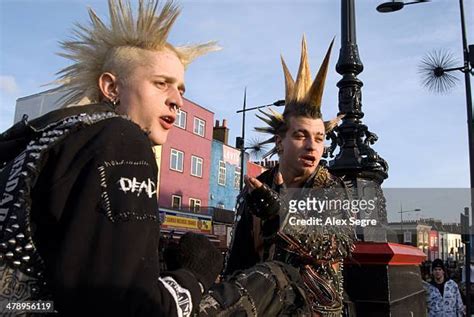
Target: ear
point(108, 84)
point(278, 142)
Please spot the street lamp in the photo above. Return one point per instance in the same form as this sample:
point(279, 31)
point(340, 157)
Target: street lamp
point(241, 140)
point(401, 212)
point(437, 73)
point(395, 5)
point(438, 78)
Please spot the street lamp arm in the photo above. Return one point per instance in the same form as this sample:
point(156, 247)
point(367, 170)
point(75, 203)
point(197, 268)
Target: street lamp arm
point(415, 2)
point(277, 103)
point(461, 68)
point(411, 210)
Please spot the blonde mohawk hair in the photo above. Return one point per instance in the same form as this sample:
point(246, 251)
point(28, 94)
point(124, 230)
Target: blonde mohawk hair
point(302, 97)
point(92, 45)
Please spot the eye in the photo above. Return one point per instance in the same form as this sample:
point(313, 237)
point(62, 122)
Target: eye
point(299, 136)
point(161, 84)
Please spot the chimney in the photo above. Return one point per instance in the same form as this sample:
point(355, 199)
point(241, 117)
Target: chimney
point(221, 132)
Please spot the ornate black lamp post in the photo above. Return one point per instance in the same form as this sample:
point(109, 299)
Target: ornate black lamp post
point(356, 160)
point(372, 281)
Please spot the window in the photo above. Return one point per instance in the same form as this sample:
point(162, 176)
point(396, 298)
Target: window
point(175, 201)
point(194, 204)
point(196, 166)
point(199, 126)
point(237, 178)
point(221, 176)
point(176, 161)
point(407, 237)
point(181, 119)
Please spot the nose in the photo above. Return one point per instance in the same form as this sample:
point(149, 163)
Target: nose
point(310, 144)
point(174, 100)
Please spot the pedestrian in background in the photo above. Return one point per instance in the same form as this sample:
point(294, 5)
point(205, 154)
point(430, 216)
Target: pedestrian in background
point(442, 293)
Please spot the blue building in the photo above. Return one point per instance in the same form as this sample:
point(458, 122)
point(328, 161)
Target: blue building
point(225, 170)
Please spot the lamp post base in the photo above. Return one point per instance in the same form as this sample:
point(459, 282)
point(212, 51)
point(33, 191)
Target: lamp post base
point(383, 279)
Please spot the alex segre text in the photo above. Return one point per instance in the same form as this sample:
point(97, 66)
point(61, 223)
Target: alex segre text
point(314, 209)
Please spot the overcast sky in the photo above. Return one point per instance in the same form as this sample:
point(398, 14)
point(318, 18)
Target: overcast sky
point(422, 136)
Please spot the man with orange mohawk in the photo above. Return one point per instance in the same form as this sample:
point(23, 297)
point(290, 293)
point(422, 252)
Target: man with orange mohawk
point(266, 229)
point(78, 207)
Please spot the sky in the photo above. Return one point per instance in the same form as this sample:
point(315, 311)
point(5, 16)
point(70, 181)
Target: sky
point(422, 136)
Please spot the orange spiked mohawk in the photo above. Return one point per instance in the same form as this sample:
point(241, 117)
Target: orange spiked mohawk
point(303, 93)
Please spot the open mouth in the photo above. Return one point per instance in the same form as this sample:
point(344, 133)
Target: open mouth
point(167, 122)
point(308, 160)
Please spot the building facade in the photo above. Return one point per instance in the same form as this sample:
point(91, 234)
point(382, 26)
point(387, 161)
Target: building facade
point(186, 160)
point(36, 105)
point(254, 169)
point(225, 176)
point(411, 233)
point(433, 245)
point(455, 247)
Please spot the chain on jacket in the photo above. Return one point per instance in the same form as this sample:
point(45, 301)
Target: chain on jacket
point(318, 252)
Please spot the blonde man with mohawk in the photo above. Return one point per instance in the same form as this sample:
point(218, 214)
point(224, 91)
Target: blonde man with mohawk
point(78, 212)
point(81, 229)
point(264, 230)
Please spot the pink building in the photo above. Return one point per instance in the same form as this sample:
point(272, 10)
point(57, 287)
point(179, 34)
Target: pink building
point(254, 170)
point(186, 158)
point(433, 246)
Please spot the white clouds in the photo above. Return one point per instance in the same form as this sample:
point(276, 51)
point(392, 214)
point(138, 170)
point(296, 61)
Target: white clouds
point(8, 85)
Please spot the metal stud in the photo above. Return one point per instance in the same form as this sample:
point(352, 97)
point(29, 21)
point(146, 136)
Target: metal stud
point(15, 226)
point(9, 255)
point(25, 258)
point(29, 247)
point(16, 263)
point(20, 236)
point(3, 245)
point(12, 241)
point(18, 249)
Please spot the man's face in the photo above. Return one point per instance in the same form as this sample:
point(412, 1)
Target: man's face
point(438, 273)
point(302, 146)
point(151, 94)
